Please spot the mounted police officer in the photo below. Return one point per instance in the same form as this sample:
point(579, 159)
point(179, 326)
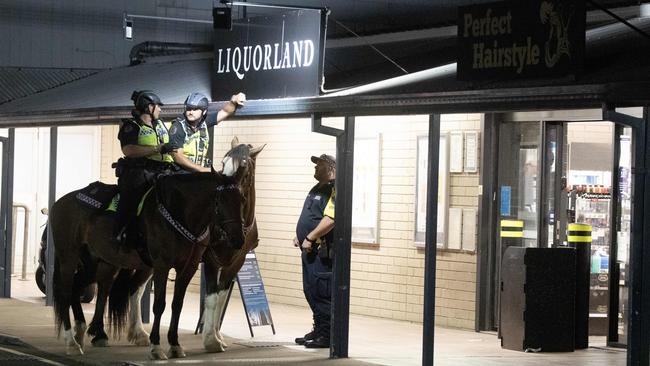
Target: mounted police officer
point(145, 144)
point(315, 237)
point(189, 133)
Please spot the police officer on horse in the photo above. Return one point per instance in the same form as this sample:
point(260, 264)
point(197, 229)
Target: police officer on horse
point(145, 144)
point(189, 133)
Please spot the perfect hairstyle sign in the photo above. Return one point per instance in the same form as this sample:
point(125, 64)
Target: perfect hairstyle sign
point(270, 57)
point(521, 39)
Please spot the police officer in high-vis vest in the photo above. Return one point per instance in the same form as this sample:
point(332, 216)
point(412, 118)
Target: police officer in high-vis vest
point(145, 144)
point(189, 133)
point(315, 238)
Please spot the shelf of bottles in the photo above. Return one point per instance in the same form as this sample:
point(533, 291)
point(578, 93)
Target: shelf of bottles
point(592, 207)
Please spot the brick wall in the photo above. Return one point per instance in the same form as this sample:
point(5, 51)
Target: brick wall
point(387, 277)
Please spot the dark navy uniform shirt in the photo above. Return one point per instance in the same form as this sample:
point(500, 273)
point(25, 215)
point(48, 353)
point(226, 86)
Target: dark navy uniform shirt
point(319, 203)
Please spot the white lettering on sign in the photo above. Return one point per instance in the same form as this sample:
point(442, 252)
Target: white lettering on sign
point(287, 55)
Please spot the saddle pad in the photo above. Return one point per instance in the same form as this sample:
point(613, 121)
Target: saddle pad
point(97, 195)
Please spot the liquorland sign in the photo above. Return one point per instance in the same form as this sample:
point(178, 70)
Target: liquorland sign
point(270, 57)
point(521, 39)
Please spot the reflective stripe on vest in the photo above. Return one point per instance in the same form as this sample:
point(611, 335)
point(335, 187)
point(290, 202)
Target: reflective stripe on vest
point(150, 137)
point(579, 233)
point(512, 229)
point(196, 143)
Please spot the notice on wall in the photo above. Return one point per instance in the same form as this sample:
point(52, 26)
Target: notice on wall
point(251, 287)
point(506, 192)
point(521, 39)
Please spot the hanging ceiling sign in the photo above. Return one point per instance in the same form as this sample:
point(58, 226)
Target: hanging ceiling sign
point(270, 57)
point(521, 39)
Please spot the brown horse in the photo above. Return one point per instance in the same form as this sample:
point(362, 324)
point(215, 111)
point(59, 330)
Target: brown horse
point(224, 260)
point(175, 221)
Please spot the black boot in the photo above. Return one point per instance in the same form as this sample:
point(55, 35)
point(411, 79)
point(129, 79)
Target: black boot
point(307, 337)
point(322, 339)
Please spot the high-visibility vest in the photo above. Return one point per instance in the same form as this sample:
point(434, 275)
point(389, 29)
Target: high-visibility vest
point(150, 136)
point(196, 144)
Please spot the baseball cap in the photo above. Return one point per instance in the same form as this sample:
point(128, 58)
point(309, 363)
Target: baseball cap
point(329, 159)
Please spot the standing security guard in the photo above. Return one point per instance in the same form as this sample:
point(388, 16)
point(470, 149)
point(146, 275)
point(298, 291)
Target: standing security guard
point(145, 144)
point(189, 133)
point(315, 237)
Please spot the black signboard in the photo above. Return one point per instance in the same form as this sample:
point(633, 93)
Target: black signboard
point(251, 287)
point(521, 39)
point(270, 57)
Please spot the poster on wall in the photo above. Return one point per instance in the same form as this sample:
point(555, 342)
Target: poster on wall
point(421, 194)
point(269, 57)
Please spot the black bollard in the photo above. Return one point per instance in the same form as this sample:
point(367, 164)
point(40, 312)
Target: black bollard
point(579, 237)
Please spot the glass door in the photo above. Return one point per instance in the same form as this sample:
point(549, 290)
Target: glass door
point(620, 241)
point(517, 190)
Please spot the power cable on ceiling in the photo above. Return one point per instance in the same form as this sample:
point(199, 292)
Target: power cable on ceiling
point(370, 45)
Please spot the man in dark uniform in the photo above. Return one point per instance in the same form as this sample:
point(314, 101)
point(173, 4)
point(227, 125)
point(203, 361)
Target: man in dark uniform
point(145, 144)
point(314, 236)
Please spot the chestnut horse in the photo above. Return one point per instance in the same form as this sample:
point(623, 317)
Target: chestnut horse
point(224, 260)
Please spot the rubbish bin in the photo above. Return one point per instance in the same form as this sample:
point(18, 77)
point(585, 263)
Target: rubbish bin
point(538, 299)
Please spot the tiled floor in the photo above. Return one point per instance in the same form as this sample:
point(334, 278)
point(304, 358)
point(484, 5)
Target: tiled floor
point(372, 340)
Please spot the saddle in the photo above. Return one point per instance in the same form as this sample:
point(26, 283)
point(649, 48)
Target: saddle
point(98, 195)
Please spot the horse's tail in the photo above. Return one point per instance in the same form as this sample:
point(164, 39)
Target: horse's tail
point(58, 297)
point(118, 302)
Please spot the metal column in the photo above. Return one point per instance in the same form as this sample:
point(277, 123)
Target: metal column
point(639, 321)
point(340, 322)
point(6, 198)
point(430, 241)
point(49, 254)
point(638, 344)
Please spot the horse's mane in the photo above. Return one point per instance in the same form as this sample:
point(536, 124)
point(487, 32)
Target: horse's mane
point(239, 152)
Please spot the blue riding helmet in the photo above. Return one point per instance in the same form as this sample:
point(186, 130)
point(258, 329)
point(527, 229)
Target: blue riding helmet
point(196, 101)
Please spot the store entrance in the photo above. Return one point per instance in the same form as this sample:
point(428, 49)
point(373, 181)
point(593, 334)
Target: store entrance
point(554, 174)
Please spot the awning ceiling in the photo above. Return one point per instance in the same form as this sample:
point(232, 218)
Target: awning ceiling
point(173, 81)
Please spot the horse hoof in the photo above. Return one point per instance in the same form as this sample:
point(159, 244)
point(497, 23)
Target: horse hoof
point(222, 340)
point(176, 352)
point(213, 346)
point(139, 339)
point(79, 333)
point(157, 353)
point(73, 351)
point(102, 342)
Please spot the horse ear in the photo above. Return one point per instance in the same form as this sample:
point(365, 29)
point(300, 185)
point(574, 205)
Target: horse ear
point(256, 150)
point(234, 142)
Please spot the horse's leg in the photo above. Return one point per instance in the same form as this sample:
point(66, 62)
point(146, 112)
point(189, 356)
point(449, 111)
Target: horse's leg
point(211, 340)
point(137, 335)
point(79, 319)
point(106, 274)
point(159, 287)
point(64, 290)
point(222, 298)
point(175, 349)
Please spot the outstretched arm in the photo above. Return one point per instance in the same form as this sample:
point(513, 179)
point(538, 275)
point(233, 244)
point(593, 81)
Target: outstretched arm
point(236, 101)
